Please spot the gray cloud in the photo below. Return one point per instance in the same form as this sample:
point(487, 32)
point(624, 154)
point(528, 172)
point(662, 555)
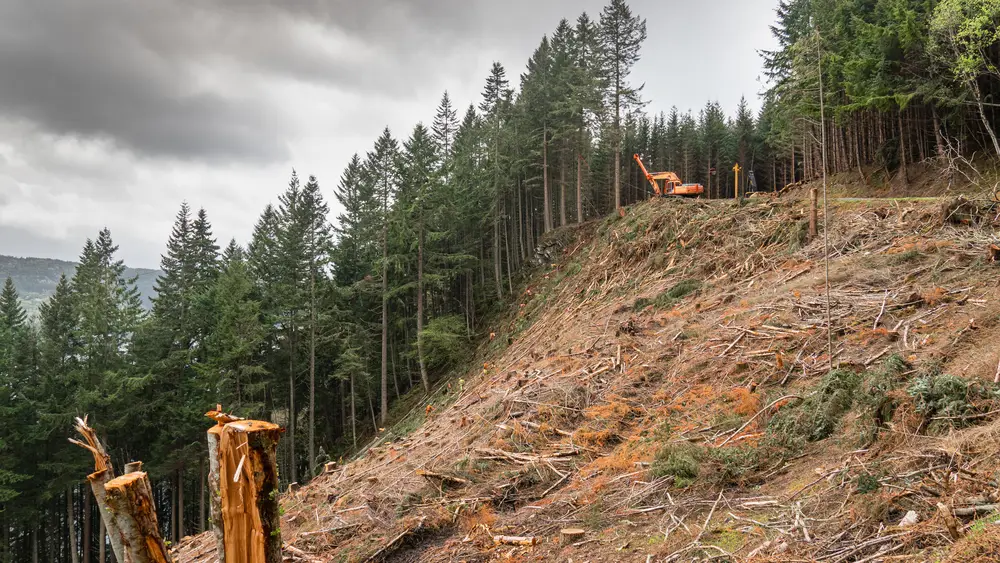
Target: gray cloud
point(114, 111)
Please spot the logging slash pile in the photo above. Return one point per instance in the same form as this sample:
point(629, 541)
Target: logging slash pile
point(663, 390)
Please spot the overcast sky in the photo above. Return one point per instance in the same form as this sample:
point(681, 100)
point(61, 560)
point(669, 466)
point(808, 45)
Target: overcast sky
point(112, 112)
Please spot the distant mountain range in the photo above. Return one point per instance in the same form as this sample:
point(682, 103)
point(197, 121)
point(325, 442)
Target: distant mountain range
point(36, 278)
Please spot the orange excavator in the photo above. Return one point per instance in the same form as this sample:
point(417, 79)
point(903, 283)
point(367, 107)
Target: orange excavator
point(669, 184)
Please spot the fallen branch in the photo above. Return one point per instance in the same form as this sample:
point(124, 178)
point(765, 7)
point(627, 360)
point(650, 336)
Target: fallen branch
point(430, 475)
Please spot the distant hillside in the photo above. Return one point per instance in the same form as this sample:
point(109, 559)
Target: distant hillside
point(36, 278)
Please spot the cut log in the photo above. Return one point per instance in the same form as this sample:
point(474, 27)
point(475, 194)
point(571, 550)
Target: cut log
point(130, 502)
point(515, 540)
point(248, 478)
point(330, 467)
point(214, 491)
point(571, 535)
point(994, 253)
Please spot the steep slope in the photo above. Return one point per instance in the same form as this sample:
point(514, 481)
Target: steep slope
point(665, 387)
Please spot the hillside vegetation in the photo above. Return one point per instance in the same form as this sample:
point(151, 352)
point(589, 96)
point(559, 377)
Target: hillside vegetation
point(664, 385)
point(36, 278)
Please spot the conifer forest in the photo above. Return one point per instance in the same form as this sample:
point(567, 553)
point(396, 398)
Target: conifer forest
point(353, 293)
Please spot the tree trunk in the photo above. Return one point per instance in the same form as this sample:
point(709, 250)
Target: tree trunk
point(497, 276)
point(312, 370)
point(130, 502)
point(424, 379)
point(102, 533)
point(384, 412)
point(173, 509)
point(902, 148)
point(579, 188)
point(249, 488)
point(201, 499)
point(938, 137)
point(562, 189)
point(978, 95)
point(86, 525)
point(545, 180)
point(34, 544)
point(354, 415)
point(215, 490)
point(292, 412)
point(181, 529)
point(71, 523)
point(98, 481)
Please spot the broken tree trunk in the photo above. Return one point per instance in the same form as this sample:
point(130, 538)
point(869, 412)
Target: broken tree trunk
point(103, 472)
point(248, 478)
point(130, 502)
point(214, 490)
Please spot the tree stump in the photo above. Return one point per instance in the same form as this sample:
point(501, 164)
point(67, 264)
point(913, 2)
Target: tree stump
point(129, 500)
point(571, 535)
point(98, 482)
point(215, 491)
point(248, 478)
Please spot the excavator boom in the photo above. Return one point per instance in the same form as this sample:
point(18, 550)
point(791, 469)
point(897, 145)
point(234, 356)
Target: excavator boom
point(669, 183)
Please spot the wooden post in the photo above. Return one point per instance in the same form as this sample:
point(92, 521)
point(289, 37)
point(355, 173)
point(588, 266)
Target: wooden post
point(813, 204)
point(214, 490)
point(129, 499)
point(248, 478)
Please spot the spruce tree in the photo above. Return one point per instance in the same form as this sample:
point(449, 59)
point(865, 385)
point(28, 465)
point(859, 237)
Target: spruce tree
point(622, 35)
point(383, 167)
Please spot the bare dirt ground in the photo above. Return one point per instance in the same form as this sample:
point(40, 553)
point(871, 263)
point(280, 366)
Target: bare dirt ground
point(665, 387)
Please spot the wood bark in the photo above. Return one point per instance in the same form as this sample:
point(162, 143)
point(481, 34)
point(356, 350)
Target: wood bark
point(579, 189)
point(130, 501)
point(562, 189)
point(424, 379)
point(86, 525)
point(312, 361)
point(249, 490)
point(71, 523)
point(215, 491)
point(201, 500)
point(102, 533)
point(180, 505)
point(98, 481)
point(902, 148)
point(545, 180)
point(813, 213)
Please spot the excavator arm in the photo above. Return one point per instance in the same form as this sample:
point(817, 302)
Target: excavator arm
point(649, 177)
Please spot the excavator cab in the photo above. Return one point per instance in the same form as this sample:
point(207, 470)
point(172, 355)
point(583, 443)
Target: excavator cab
point(669, 183)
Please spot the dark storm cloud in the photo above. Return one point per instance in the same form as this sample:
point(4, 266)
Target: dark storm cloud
point(186, 79)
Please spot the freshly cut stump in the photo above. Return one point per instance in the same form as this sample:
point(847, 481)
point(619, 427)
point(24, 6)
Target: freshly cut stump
point(215, 491)
point(248, 477)
point(129, 501)
point(571, 535)
point(98, 482)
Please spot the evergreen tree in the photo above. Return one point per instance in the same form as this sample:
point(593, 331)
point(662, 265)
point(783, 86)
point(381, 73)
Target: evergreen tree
point(622, 35)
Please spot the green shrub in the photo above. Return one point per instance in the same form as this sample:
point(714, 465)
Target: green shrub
point(680, 461)
point(668, 298)
point(867, 483)
point(817, 417)
point(875, 397)
point(940, 395)
point(737, 464)
point(446, 342)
